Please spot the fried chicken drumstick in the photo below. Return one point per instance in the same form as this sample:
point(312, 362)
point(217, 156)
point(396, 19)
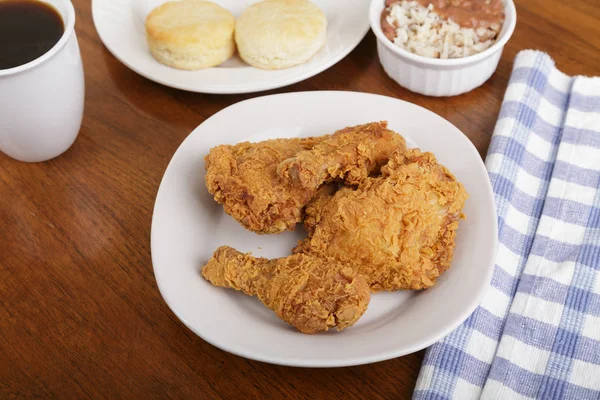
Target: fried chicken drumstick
point(256, 182)
point(303, 290)
point(397, 229)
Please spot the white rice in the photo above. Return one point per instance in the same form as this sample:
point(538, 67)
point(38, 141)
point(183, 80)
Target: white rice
point(421, 31)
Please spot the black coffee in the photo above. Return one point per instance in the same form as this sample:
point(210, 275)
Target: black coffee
point(28, 29)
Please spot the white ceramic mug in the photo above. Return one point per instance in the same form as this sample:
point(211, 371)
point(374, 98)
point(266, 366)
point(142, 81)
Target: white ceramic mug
point(41, 102)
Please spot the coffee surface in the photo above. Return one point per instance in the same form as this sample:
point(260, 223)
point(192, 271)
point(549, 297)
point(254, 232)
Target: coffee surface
point(28, 29)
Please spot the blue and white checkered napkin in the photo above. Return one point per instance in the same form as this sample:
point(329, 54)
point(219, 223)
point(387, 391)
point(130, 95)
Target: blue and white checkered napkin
point(536, 334)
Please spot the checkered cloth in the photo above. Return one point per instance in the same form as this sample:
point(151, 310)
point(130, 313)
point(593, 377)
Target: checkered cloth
point(536, 334)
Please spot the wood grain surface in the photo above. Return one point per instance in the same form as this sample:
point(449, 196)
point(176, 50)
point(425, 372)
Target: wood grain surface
point(80, 313)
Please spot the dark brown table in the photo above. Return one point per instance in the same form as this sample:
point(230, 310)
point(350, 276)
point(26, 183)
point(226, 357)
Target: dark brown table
point(80, 313)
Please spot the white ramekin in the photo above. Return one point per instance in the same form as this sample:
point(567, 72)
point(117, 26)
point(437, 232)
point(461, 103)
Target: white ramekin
point(437, 77)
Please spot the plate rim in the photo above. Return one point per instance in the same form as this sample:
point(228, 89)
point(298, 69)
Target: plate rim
point(356, 360)
point(249, 89)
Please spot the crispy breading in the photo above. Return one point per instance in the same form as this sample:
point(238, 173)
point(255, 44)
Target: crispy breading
point(351, 154)
point(303, 290)
point(398, 229)
point(252, 180)
point(243, 178)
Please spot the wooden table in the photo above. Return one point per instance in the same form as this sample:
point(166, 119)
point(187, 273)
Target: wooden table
point(80, 313)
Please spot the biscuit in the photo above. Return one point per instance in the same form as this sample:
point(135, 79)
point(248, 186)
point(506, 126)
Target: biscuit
point(190, 34)
point(275, 34)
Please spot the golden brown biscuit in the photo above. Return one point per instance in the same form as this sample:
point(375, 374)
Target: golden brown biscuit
point(276, 34)
point(190, 34)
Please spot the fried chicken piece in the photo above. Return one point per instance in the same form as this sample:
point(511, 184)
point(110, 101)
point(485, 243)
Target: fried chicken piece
point(351, 154)
point(303, 290)
point(244, 178)
point(397, 229)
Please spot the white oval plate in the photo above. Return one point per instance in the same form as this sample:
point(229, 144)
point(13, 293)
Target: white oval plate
point(120, 25)
point(188, 225)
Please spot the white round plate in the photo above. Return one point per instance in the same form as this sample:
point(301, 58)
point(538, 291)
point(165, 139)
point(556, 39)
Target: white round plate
point(188, 225)
point(120, 24)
